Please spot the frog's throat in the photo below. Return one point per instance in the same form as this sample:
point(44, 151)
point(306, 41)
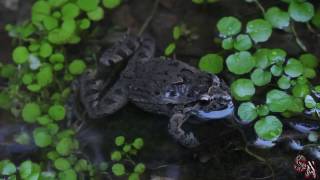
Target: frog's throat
point(220, 114)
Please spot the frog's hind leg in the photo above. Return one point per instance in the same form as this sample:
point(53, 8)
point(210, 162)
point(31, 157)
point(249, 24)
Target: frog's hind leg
point(98, 103)
point(176, 131)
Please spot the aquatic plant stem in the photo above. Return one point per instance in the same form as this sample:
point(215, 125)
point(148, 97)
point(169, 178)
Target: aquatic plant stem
point(260, 6)
point(298, 40)
point(148, 20)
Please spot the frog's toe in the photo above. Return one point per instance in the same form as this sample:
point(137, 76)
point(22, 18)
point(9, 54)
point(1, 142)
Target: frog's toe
point(190, 141)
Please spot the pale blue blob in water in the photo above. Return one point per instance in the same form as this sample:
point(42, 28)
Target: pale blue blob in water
point(211, 115)
point(260, 143)
point(304, 127)
point(295, 145)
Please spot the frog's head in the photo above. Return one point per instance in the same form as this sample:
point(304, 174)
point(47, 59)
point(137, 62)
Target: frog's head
point(216, 103)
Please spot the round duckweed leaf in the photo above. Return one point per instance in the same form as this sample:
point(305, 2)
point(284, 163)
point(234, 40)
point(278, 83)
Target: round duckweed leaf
point(268, 128)
point(260, 77)
point(76, 67)
point(5, 100)
point(44, 76)
point(262, 110)
point(96, 15)
point(126, 148)
point(56, 14)
point(50, 22)
point(242, 42)
point(39, 10)
point(278, 101)
point(88, 5)
point(138, 143)
point(22, 138)
point(211, 63)
point(309, 73)
point(57, 3)
point(58, 67)
point(118, 169)
point(70, 10)
point(276, 70)
point(240, 63)
point(53, 128)
point(25, 169)
point(228, 26)
point(20, 55)
point(300, 90)
point(170, 49)
point(45, 50)
point(309, 60)
point(68, 27)
point(57, 112)
point(293, 68)
point(30, 112)
point(41, 137)
point(84, 24)
point(111, 4)
point(33, 47)
point(44, 120)
point(69, 174)
point(227, 43)
point(242, 89)
point(247, 112)
point(284, 82)
point(277, 56)
point(139, 168)
point(261, 57)
point(34, 87)
point(309, 102)
point(301, 11)
point(56, 58)
point(7, 168)
point(8, 70)
point(277, 18)
point(119, 140)
point(65, 146)
point(134, 176)
point(316, 19)
point(176, 33)
point(61, 164)
point(259, 30)
point(116, 156)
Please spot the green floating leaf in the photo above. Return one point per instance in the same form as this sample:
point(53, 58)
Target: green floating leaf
point(20, 55)
point(56, 58)
point(45, 50)
point(7, 168)
point(50, 22)
point(139, 168)
point(242, 42)
point(228, 26)
point(301, 11)
point(309, 60)
point(61, 164)
point(276, 70)
point(227, 43)
point(309, 102)
point(134, 176)
point(118, 169)
point(177, 32)
point(70, 11)
point(300, 90)
point(57, 112)
point(116, 156)
point(247, 112)
point(44, 120)
point(96, 15)
point(111, 4)
point(268, 128)
point(5, 100)
point(138, 143)
point(88, 5)
point(77, 67)
point(261, 58)
point(262, 110)
point(65, 146)
point(41, 137)
point(293, 68)
point(260, 77)
point(40, 9)
point(284, 82)
point(44, 76)
point(316, 19)
point(240, 63)
point(242, 89)
point(69, 174)
point(277, 18)
point(25, 169)
point(278, 101)
point(170, 49)
point(84, 24)
point(8, 71)
point(30, 112)
point(259, 30)
point(309, 73)
point(277, 56)
point(211, 63)
point(119, 140)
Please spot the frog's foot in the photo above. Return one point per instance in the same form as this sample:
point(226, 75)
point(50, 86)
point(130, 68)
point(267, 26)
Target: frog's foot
point(98, 103)
point(175, 130)
point(120, 51)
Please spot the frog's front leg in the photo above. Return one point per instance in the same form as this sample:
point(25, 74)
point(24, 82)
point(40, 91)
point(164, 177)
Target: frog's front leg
point(96, 101)
point(176, 131)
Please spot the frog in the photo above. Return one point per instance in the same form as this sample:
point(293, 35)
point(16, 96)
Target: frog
point(159, 85)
